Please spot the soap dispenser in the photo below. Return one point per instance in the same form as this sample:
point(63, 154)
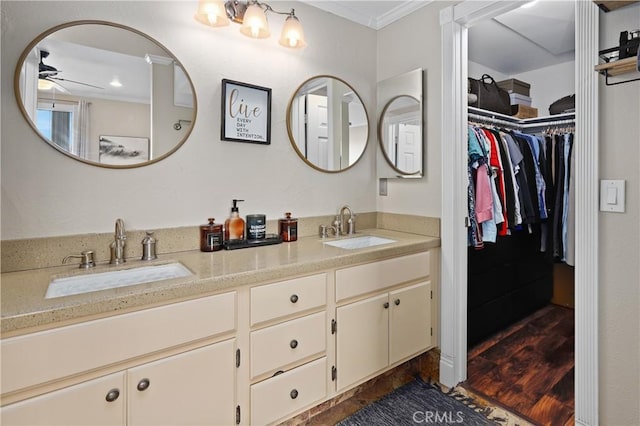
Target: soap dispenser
point(234, 225)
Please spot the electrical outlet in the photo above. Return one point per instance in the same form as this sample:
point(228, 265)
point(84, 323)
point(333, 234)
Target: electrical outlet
point(383, 186)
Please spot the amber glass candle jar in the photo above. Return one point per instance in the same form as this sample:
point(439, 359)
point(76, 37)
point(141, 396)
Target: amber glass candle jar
point(288, 228)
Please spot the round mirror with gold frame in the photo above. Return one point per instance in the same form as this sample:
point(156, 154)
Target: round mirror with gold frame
point(327, 124)
point(105, 94)
point(400, 134)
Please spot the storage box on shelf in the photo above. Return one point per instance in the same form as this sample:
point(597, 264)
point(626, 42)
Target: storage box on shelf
point(518, 99)
point(523, 111)
point(515, 86)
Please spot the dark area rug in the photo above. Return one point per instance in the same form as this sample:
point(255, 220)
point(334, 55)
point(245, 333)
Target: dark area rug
point(420, 402)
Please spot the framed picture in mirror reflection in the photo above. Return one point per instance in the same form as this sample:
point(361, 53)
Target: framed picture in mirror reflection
point(123, 150)
point(246, 113)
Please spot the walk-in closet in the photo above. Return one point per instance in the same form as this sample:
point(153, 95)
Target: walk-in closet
point(520, 280)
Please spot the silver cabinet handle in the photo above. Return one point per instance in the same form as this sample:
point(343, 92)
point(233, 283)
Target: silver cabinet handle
point(293, 298)
point(293, 344)
point(112, 395)
point(293, 394)
point(386, 305)
point(143, 385)
point(397, 302)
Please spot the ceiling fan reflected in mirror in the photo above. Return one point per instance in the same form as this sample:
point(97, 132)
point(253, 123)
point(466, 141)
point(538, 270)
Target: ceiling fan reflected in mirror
point(48, 76)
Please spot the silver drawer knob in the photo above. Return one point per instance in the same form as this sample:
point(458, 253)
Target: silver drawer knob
point(143, 385)
point(293, 394)
point(112, 395)
point(293, 344)
point(293, 298)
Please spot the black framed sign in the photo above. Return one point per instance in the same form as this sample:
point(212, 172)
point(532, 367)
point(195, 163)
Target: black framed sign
point(246, 113)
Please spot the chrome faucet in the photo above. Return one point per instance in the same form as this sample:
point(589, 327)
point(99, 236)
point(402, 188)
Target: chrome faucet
point(350, 223)
point(117, 246)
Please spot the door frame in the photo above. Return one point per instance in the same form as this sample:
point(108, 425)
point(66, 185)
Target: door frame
point(455, 21)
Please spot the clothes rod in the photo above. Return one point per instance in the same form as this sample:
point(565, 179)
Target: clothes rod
point(555, 123)
point(492, 120)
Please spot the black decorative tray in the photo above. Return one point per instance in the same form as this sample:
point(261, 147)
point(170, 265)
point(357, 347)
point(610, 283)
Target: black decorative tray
point(268, 240)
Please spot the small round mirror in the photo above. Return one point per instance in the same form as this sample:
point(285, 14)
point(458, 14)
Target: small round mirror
point(400, 134)
point(105, 94)
point(327, 124)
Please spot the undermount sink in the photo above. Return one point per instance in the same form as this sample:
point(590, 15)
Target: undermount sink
point(359, 242)
point(85, 283)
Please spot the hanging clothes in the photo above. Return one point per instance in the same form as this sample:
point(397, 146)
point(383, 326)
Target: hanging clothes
point(517, 180)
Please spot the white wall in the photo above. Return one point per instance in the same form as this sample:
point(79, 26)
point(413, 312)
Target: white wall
point(45, 193)
point(407, 44)
point(619, 264)
point(549, 84)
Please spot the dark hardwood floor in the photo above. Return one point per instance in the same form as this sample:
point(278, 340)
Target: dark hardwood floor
point(529, 367)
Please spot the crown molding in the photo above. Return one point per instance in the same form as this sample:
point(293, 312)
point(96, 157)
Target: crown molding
point(354, 11)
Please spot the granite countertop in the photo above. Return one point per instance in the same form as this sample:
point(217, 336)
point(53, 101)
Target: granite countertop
point(24, 307)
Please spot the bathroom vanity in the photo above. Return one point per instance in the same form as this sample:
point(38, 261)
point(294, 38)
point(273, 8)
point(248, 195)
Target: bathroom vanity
point(265, 333)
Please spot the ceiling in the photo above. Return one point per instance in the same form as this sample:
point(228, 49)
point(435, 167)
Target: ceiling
point(539, 35)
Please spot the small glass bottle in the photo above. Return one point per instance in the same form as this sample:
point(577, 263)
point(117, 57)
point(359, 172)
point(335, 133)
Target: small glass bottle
point(211, 236)
point(288, 228)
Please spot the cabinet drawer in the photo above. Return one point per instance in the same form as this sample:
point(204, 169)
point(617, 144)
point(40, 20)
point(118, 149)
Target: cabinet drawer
point(284, 298)
point(362, 279)
point(288, 392)
point(282, 344)
point(52, 354)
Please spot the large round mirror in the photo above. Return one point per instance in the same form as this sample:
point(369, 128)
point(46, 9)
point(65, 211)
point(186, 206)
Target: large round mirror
point(105, 94)
point(400, 134)
point(327, 124)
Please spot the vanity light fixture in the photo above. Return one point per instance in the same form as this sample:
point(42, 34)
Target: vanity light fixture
point(251, 15)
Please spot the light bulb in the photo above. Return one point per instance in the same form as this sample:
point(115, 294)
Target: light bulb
point(212, 13)
point(254, 23)
point(292, 33)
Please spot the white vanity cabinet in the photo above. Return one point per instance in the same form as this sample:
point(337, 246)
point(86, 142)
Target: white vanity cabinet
point(383, 316)
point(175, 390)
point(193, 384)
point(288, 344)
point(97, 401)
point(191, 388)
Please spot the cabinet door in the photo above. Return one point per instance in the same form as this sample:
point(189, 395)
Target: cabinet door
point(362, 339)
point(410, 321)
point(96, 402)
point(192, 388)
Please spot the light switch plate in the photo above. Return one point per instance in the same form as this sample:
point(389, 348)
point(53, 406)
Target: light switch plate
point(612, 196)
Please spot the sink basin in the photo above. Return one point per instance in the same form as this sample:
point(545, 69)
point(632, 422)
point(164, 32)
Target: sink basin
point(86, 283)
point(359, 242)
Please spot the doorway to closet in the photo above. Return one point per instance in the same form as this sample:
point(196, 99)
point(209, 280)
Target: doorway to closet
point(520, 319)
point(456, 22)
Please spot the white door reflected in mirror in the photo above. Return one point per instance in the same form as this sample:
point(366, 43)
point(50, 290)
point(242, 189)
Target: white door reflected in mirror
point(327, 124)
point(401, 134)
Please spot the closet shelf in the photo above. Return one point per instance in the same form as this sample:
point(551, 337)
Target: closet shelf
point(521, 123)
point(619, 67)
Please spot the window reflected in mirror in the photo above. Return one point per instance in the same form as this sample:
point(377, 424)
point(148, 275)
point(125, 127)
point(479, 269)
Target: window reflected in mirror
point(81, 83)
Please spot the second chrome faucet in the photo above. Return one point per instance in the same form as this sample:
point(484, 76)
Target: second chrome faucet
point(340, 226)
point(117, 246)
